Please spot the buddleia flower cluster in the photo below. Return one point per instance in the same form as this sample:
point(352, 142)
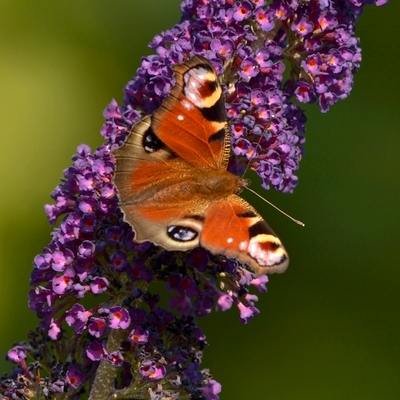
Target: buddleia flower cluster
point(103, 332)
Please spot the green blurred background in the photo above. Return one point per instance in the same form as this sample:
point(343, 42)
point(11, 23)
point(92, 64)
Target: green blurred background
point(329, 327)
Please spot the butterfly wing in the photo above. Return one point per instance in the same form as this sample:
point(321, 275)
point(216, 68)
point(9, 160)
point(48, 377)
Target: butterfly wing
point(165, 151)
point(233, 228)
point(192, 120)
point(150, 180)
point(141, 152)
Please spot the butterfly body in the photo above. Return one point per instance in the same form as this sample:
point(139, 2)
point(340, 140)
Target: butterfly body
point(173, 182)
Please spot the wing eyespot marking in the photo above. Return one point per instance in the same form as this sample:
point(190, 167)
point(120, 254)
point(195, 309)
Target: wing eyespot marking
point(182, 233)
point(151, 143)
point(211, 86)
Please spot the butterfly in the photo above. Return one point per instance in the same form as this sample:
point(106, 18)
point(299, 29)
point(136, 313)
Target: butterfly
point(173, 183)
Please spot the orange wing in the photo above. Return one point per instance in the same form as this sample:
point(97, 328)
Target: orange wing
point(233, 228)
point(192, 120)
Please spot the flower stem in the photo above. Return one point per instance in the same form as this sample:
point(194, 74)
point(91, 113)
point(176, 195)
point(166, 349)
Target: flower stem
point(103, 385)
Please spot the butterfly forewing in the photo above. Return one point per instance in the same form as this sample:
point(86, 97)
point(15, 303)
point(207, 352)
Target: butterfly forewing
point(192, 120)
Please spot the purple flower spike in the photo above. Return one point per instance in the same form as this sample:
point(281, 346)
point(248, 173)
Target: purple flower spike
point(268, 56)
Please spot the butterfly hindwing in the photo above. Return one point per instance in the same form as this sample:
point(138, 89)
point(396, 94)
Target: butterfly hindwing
point(247, 237)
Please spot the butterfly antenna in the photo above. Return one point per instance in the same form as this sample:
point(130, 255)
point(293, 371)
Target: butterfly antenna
point(298, 222)
point(251, 158)
point(276, 208)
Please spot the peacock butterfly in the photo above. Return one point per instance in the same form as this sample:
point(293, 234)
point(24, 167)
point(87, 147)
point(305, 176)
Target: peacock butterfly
point(172, 178)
